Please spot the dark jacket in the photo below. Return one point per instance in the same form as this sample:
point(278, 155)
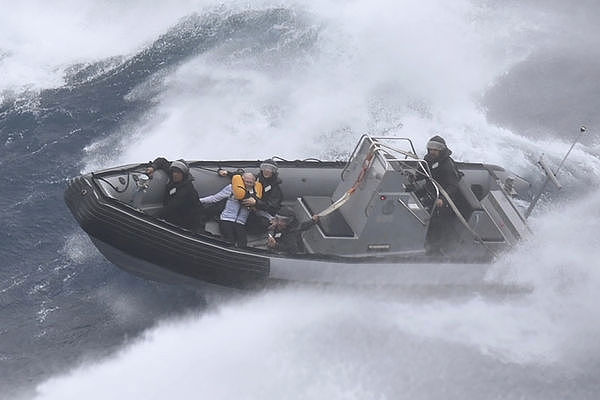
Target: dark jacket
point(289, 240)
point(180, 203)
point(272, 194)
point(444, 171)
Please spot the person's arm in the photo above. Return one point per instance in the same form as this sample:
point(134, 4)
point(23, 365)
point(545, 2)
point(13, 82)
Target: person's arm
point(229, 174)
point(273, 203)
point(306, 225)
point(420, 172)
point(215, 198)
point(450, 180)
point(262, 213)
point(159, 163)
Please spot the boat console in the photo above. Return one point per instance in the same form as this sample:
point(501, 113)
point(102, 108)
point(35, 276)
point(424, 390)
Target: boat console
point(382, 213)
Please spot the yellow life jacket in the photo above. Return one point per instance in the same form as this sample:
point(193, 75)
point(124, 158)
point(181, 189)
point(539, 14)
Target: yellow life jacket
point(239, 189)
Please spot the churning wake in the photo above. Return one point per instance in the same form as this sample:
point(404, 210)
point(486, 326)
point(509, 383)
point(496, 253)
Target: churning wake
point(205, 81)
point(311, 343)
point(302, 343)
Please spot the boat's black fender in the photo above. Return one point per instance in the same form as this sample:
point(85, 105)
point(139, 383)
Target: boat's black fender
point(159, 242)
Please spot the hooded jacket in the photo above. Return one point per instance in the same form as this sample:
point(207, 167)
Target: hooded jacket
point(180, 202)
point(443, 169)
point(272, 194)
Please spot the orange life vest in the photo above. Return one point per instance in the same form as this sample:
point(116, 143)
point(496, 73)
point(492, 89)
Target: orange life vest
point(239, 189)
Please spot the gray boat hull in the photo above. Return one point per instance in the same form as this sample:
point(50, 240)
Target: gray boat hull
point(118, 215)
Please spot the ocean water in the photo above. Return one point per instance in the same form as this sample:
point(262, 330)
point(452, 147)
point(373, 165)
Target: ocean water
point(87, 84)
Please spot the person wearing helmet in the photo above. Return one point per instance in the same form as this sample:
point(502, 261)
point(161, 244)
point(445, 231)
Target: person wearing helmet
point(271, 198)
point(444, 172)
point(180, 203)
point(284, 234)
point(272, 194)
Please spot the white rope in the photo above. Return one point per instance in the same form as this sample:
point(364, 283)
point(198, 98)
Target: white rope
point(334, 206)
point(342, 200)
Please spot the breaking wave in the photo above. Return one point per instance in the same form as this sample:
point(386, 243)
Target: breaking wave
point(235, 81)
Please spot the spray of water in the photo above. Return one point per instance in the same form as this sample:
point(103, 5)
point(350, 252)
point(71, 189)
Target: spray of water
point(41, 41)
point(338, 70)
point(239, 101)
point(339, 343)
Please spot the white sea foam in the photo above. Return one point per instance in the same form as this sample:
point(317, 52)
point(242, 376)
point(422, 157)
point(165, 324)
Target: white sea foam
point(375, 64)
point(358, 77)
point(310, 343)
point(78, 248)
point(39, 40)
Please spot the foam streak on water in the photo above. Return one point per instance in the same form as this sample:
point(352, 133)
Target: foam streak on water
point(254, 80)
point(307, 343)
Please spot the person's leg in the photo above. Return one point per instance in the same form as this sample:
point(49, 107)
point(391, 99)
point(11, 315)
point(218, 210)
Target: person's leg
point(440, 231)
point(228, 230)
point(198, 220)
point(241, 239)
point(433, 238)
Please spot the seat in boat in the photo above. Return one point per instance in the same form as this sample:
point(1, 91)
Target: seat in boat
point(332, 225)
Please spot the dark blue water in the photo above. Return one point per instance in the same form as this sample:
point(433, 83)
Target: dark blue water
point(60, 301)
point(244, 82)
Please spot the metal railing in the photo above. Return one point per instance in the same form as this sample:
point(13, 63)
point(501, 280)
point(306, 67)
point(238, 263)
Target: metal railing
point(386, 152)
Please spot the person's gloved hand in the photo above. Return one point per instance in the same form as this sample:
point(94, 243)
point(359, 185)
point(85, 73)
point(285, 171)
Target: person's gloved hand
point(271, 242)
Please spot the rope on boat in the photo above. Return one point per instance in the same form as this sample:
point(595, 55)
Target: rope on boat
point(361, 177)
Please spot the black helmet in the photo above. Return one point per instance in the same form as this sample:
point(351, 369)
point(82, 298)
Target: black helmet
point(437, 143)
point(269, 164)
point(180, 165)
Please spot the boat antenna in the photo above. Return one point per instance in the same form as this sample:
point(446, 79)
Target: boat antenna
point(550, 175)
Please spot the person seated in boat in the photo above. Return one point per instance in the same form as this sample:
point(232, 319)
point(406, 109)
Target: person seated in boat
point(180, 203)
point(272, 195)
point(284, 234)
point(444, 172)
point(238, 206)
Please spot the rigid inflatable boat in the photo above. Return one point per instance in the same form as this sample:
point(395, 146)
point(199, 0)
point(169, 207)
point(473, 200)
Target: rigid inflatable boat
point(372, 231)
